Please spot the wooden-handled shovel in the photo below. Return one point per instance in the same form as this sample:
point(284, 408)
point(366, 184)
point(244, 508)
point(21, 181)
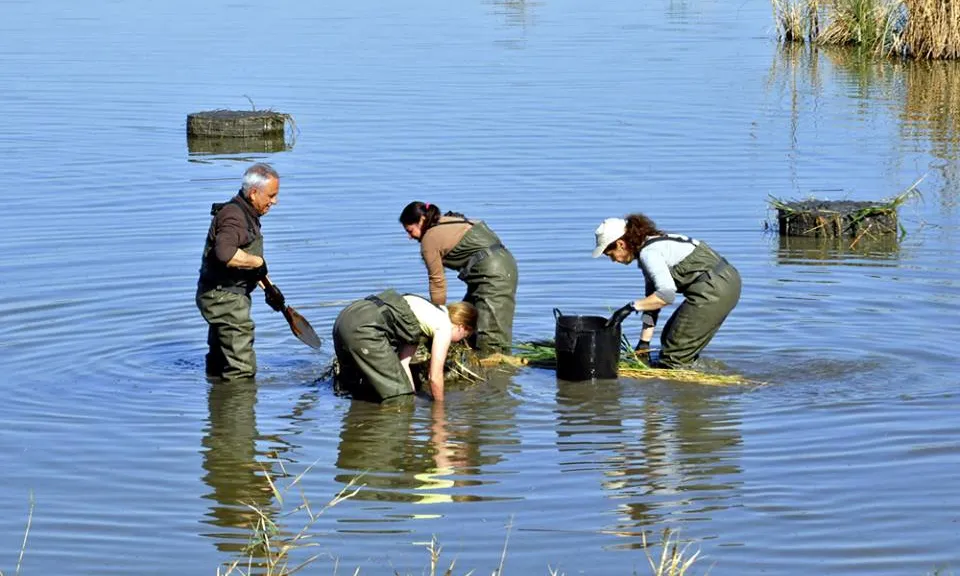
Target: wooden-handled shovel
point(298, 324)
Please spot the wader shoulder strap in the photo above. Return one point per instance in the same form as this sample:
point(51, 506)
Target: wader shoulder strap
point(461, 221)
point(656, 239)
point(376, 300)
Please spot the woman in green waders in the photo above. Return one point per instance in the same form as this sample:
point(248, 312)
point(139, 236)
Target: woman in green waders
point(672, 264)
point(483, 263)
point(376, 337)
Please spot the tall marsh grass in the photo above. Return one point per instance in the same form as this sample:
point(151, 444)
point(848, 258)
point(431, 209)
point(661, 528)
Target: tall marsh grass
point(921, 29)
point(932, 30)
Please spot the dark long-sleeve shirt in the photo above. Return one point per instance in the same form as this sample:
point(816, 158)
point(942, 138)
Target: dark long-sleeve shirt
point(230, 228)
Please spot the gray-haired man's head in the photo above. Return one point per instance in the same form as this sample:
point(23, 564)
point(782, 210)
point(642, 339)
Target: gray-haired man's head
point(261, 185)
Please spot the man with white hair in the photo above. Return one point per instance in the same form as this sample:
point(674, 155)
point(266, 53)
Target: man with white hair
point(230, 270)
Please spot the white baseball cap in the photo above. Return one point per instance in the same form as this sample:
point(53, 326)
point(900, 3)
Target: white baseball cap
point(609, 231)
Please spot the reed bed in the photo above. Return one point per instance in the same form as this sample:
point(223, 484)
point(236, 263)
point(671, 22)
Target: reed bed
point(919, 29)
point(932, 30)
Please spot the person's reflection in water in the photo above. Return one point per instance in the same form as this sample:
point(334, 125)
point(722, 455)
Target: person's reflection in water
point(438, 479)
point(681, 460)
point(407, 455)
point(398, 461)
point(230, 459)
point(380, 442)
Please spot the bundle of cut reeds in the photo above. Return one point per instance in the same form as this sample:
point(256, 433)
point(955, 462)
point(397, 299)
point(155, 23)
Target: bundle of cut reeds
point(543, 354)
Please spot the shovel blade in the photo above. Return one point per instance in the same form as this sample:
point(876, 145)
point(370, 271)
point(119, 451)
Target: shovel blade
point(301, 328)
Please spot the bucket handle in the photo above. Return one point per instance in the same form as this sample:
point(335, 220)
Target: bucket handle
point(557, 314)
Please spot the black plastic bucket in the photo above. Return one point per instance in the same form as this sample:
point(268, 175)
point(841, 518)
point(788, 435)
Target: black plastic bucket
point(586, 348)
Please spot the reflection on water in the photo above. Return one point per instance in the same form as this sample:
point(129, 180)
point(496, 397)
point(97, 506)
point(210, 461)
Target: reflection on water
point(399, 99)
point(932, 106)
point(661, 456)
point(795, 75)
point(839, 251)
point(932, 110)
point(234, 468)
point(923, 96)
point(201, 146)
point(518, 13)
point(425, 453)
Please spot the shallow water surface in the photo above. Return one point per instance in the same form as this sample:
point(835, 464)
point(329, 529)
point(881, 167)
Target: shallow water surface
point(541, 118)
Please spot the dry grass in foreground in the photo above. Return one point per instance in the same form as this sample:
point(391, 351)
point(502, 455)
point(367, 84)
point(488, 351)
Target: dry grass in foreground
point(269, 550)
point(672, 558)
point(26, 534)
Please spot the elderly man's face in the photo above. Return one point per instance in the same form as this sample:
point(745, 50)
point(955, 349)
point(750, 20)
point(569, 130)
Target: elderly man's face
point(263, 197)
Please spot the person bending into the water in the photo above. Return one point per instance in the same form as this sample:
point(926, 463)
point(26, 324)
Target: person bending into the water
point(671, 264)
point(486, 266)
point(376, 337)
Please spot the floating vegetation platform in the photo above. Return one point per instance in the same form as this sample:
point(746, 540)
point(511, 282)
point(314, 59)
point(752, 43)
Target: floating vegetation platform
point(238, 124)
point(814, 218)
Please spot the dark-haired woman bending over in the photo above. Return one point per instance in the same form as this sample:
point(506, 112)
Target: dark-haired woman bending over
point(672, 264)
point(483, 263)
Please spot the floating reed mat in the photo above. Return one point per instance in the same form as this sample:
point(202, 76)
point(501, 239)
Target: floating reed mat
point(842, 218)
point(542, 354)
point(238, 124)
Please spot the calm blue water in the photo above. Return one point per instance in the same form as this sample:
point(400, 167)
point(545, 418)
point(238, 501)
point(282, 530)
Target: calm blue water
point(541, 118)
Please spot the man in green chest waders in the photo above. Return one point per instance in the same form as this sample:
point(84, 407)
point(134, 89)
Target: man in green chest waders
point(231, 267)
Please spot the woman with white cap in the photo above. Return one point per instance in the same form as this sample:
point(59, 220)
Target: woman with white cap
point(671, 264)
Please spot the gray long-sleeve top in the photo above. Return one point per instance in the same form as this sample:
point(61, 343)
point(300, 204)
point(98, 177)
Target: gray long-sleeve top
point(655, 260)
